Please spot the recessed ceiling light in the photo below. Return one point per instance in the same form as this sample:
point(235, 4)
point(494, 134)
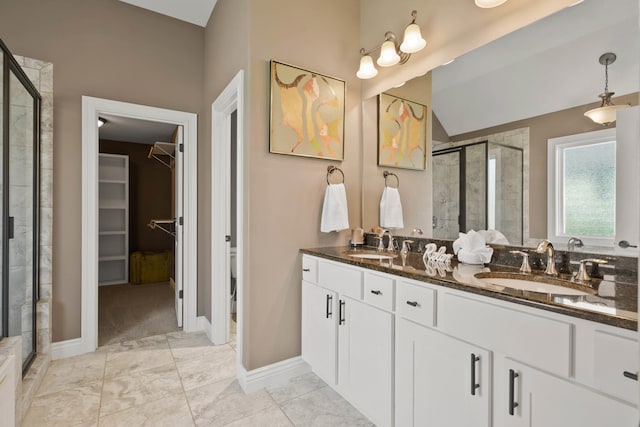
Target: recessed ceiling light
point(101, 121)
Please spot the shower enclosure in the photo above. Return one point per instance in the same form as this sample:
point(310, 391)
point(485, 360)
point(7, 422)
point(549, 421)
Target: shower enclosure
point(478, 187)
point(19, 207)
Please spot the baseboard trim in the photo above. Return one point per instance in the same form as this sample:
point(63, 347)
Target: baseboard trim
point(271, 375)
point(68, 348)
point(204, 325)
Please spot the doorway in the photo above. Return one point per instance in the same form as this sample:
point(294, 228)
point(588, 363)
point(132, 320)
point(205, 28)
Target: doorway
point(138, 241)
point(227, 231)
point(185, 227)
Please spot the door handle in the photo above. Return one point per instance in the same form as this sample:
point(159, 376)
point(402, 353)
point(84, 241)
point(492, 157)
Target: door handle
point(474, 384)
point(512, 379)
point(341, 314)
point(11, 227)
point(329, 313)
point(631, 375)
point(413, 303)
point(376, 292)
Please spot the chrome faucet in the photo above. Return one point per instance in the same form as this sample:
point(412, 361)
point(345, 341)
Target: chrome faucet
point(546, 246)
point(390, 247)
point(573, 243)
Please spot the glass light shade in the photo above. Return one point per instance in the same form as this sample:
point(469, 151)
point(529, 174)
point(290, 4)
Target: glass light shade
point(485, 4)
point(604, 115)
point(367, 69)
point(388, 54)
point(413, 41)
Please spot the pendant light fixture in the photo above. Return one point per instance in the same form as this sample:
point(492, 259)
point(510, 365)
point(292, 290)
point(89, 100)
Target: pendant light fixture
point(606, 113)
point(391, 53)
point(487, 4)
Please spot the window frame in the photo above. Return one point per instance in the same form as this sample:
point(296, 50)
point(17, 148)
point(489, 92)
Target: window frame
point(555, 176)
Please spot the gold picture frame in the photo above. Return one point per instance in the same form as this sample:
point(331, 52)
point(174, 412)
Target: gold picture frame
point(402, 133)
point(306, 116)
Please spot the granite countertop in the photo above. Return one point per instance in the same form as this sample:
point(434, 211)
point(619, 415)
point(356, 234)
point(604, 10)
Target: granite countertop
point(609, 302)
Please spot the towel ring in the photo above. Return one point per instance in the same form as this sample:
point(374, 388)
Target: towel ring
point(332, 169)
point(386, 174)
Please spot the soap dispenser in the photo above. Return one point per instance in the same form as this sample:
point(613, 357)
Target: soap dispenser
point(404, 252)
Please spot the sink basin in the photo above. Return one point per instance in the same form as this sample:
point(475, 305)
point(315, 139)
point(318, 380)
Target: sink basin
point(532, 285)
point(374, 256)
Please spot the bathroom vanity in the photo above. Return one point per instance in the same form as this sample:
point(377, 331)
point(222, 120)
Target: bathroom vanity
point(411, 349)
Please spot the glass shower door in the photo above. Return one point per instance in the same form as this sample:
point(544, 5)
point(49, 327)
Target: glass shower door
point(446, 194)
point(21, 227)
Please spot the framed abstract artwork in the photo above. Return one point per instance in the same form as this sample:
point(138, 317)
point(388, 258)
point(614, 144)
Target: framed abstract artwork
point(402, 133)
point(306, 113)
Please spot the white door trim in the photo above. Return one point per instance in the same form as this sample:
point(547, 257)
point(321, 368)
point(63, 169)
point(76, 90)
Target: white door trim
point(231, 99)
point(91, 109)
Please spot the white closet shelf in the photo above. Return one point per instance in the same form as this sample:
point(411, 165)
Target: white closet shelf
point(161, 150)
point(112, 233)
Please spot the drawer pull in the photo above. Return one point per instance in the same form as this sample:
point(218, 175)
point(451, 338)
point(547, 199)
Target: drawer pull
point(631, 375)
point(413, 303)
point(512, 379)
point(329, 312)
point(474, 384)
point(376, 292)
point(306, 270)
point(341, 313)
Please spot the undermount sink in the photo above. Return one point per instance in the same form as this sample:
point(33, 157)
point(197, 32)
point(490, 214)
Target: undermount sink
point(531, 285)
point(369, 255)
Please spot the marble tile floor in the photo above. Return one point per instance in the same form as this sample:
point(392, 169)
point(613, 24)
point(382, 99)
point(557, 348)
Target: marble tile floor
point(177, 379)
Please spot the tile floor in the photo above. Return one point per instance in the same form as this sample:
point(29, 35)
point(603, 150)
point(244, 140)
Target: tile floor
point(177, 379)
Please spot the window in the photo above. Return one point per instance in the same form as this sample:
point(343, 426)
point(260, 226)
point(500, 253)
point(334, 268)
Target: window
point(582, 187)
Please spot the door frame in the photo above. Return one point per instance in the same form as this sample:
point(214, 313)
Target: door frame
point(231, 99)
point(91, 109)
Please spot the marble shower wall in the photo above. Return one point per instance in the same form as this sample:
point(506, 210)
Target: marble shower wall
point(41, 75)
point(518, 138)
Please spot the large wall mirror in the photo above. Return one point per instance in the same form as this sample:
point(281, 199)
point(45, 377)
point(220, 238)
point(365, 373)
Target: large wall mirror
point(494, 110)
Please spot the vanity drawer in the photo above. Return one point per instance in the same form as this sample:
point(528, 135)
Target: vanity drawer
point(523, 335)
point(378, 290)
point(613, 355)
point(309, 269)
point(416, 302)
point(340, 278)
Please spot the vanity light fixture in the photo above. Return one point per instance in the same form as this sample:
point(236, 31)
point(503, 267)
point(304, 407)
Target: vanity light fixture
point(486, 4)
point(101, 122)
point(391, 53)
point(606, 113)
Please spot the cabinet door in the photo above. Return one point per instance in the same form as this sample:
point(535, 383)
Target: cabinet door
point(319, 331)
point(365, 367)
point(440, 381)
point(547, 401)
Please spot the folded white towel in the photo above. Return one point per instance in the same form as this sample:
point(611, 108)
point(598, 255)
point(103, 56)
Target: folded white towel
point(494, 236)
point(391, 209)
point(471, 248)
point(335, 216)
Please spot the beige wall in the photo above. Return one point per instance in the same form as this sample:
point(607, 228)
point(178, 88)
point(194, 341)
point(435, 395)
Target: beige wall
point(106, 49)
point(149, 195)
point(541, 128)
point(286, 192)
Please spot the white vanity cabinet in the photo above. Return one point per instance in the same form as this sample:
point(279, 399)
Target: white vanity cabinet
point(409, 353)
point(537, 399)
point(347, 341)
point(440, 380)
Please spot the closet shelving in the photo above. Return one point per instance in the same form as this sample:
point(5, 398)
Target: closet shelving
point(113, 222)
point(164, 152)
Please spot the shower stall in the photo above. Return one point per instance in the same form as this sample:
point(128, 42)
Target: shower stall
point(478, 187)
point(19, 207)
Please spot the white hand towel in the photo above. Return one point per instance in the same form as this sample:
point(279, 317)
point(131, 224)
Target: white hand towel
point(335, 216)
point(391, 209)
point(471, 248)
